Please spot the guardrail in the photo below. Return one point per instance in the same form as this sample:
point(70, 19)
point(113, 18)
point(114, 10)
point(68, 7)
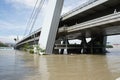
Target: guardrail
point(103, 20)
point(27, 41)
point(38, 30)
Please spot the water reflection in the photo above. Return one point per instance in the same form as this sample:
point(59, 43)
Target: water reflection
point(25, 66)
point(80, 67)
point(43, 68)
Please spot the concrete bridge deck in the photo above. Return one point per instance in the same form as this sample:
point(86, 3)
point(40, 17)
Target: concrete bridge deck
point(94, 9)
point(102, 24)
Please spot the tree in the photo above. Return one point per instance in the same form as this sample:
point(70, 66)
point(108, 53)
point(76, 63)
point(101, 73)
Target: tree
point(3, 45)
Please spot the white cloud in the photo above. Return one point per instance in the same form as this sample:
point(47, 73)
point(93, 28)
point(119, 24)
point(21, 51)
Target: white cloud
point(10, 38)
point(67, 8)
point(10, 26)
point(9, 31)
point(26, 3)
point(3, 24)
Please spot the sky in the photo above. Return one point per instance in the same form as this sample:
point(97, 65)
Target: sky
point(14, 15)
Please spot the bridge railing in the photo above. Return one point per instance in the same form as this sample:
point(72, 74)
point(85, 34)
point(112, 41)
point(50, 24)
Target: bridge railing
point(94, 21)
point(35, 32)
point(27, 41)
point(79, 7)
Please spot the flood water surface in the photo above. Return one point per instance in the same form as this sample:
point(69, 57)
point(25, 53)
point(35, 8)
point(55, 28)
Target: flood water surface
point(17, 65)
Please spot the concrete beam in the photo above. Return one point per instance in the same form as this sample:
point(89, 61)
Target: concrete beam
point(115, 17)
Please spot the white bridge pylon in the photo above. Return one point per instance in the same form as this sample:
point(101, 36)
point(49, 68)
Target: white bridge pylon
point(50, 25)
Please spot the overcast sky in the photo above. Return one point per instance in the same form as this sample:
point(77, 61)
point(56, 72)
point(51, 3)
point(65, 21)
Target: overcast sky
point(14, 15)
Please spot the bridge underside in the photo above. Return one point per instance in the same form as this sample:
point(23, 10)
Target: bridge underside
point(97, 43)
point(90, 27)
point(106, 8)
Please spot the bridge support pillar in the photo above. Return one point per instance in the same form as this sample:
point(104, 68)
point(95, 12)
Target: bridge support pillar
point(66, 42)
point(97, 45)
point(50, 25)
point(56, 51)
point(84, 44)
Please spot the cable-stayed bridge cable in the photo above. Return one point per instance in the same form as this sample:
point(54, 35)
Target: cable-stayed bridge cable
point(36, 14)
point(31, 17)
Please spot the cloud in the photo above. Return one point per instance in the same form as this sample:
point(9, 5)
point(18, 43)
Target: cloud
point(21, 9)
point(25, 3)
point(66, 9)
point(7, 29)
point(71, 4)
point(3, 24)
point(11, 26)
point(9, 39)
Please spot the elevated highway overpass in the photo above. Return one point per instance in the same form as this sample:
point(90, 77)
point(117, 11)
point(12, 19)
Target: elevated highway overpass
point(95, 19)
point(108, 25)
point(91, 10)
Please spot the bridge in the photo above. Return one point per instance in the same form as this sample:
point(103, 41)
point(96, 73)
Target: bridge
point(95, 19)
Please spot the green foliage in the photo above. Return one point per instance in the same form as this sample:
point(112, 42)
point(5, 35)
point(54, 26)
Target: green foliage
point(26, 47)
point(29, 48)
point(40, 49)
point(3, 45)
point(31, 51)
point(109, 46)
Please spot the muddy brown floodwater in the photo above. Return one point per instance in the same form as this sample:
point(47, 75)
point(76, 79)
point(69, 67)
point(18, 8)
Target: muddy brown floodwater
point(25, 66)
